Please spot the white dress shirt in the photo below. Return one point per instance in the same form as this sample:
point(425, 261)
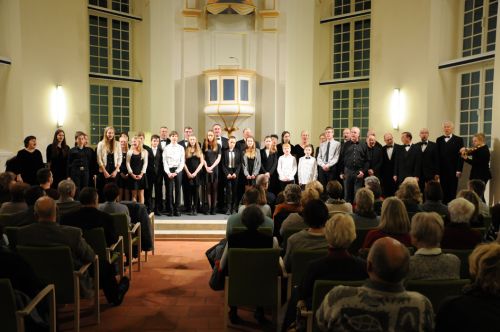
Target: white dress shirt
point(287, 167)
point(173, 157)
point(307, 170)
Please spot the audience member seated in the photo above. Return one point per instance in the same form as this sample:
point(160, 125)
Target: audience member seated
point(478, 308)
point(335, 201)
point(394, 223)
point(17, 203)
point(291, 203)
point(89, 217)
point(45, 179)
point(252, 217)
point(28, 216)
point(6, 179)
point(235, 220)
point(295, 220)
point(433, 199)
point(477, 219)
point(315, 215)
point(255, 196)
point(364, 216)
point(429, 262)
point(382, 302)
point(458, 234)
point(373, 183)
point(111, 194)
point(410, 194)
point(479, 187)
point(66, 202)
point(47, 232)
point(262, 183)
point(316, 185)
point(491, 232)
point(139, 214)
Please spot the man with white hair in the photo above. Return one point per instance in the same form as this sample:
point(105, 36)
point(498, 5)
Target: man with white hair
point(458, 234)
point(354, 164)
point(389, 152)
point(450, 162)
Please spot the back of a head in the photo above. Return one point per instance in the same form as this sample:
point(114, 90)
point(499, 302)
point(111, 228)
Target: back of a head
point(45, 209)
point(32, 194)
point(316, 185)
point(17, 190)
point(373, 183)
point(410, 192)
point(251, 196)
point(340, 231)
point(394, 217)
point(471, 197)
point(433, 191)
point(461, 210)
point(292, 193)
point(315, 213)
point(477, 186)
point(252, 217)
point(364, 201)
point(484, 268)
point(88, 196)
point(389, 260)
point(6, 178)
point(334, 190)
point(261, 181)
point(66, 189)
point(43, 175)
point(427, 229)
point(111, 192)
point(308, 195)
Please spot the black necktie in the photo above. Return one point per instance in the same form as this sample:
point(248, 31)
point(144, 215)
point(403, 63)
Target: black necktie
point(327, 151)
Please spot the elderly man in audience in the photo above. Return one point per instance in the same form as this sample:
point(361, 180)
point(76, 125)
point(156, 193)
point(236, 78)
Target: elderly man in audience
point(315, 216)
point(111, 193)
point(17, 203)
point(478, 308)
point(335, 201)
point(364, 215)
point(382, 303)
point(433, 199)
point(66, 202)
point(373, 183)
point(25, 217)
point(458, 234)
point(429, 262)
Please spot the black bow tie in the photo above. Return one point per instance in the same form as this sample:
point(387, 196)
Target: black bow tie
point(424, 142)
point(389, 146)
point(308, 157)
point(407, 145)
point(447, 137)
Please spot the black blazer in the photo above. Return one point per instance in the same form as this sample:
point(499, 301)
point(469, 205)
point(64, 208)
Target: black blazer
point(408, 163)
point(224, 143)
point(450, 161)
point(479, 159)
point(375, 157)
point(155, 163)
point(430, 161)
point(387, 172)
point(242, 145)
point(88, 218)
point(268, 164)
point(238, 159)
point(184, 143)
point(250, 239)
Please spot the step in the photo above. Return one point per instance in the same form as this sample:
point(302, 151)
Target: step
point(201, 227)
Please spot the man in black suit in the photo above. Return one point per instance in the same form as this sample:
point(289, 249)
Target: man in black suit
point(188, 131)
point(155, 174)
point(430, 159)
point(242, 145)
point(408, 161)
point(164, 141)
point(231, 166)
point(450, 162)
point(375, 155)
point(223, 142)
point(389, 153)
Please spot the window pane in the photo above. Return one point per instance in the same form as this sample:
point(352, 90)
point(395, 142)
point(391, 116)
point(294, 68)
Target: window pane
point(228, 89)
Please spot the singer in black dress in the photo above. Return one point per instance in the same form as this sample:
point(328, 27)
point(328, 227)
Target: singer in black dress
point(137, 163)
point(193, 166)
point(29, 161)
point(57, 157)
point(212, 153)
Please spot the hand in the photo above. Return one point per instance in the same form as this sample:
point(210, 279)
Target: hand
point(253, 177)
point(106, 174)
point(249, 177)
point(395, 178)
point(370, 172)
point(458, 174)
point(113, 175)
point(325, 168)
point(436, 177)
point(360, 175)
point(210, 171)
point(229, 177)
point(267, 174)
point(139, 176)
point(171, 175)
point(342, 176)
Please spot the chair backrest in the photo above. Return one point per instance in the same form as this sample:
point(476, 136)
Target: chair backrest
point(358, 242)
point(121, 225)
point(11, 233)
point(463, 254)
point(253, 276)
point(322, 287)
point(7, 306)
point(263, 230)
point(487, 222)
point(96, 238)
point(52, 265)
point(287, 232)
point(300, 262)
point(437, 290)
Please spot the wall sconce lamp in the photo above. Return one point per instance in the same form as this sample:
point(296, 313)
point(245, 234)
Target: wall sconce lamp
point(396, 108)
point(59, 105)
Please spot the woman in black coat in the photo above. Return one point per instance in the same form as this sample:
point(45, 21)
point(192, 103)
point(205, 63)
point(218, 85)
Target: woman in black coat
point(269, 162)
point(29, 161)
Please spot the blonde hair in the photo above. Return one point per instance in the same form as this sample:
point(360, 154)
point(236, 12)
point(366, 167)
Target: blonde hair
point(427, 228)
point(316, 185)
point(109, 145)
point(409, 191)
point(484, 267)
point(340, 231)
point(272, 148)
point(480, 137)
point(308, 195)
point(250, 151)
point(394, 218)
point(196, 151)
point(139, 147)
point(210, 145)
point(364, 199)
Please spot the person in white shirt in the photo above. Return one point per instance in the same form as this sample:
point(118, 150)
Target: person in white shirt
point(109, 159)
point(287, 166)
point(308, 168)
point(173, 163)
point(328, 157)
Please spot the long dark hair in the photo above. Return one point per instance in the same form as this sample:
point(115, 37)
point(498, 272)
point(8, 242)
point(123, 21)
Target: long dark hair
point(64, 146)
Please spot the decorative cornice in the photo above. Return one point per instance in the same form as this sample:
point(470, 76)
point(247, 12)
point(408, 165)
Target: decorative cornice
point(191, 12)
point(269, 13)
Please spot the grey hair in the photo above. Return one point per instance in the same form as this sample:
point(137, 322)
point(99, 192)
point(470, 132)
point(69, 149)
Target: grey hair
point(461, 210)
point(66, 188)
point(371, 179)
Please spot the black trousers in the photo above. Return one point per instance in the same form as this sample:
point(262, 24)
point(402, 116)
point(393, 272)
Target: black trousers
point(232, 193)
point(325, 176)
point(174, 184)
point(155, 182)
point(192, 198)
point(80, 178)
point(351, 184)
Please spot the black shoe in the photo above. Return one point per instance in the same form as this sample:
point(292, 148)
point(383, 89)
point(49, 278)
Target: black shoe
point(177, 214)
point(212, 213)
point(260, 317)
point(169, 214)
point(157, 213)
point(234, 318)
point(194, 213)
point(122, 290)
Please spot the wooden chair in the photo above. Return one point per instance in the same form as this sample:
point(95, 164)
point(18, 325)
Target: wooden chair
point(131, 237)
point(437, 290)
point(253, 279)
point(114, 254)
point(463, 254)
point(358, 242)
point(263, 230)
point(11, 233)
point(54, 265)
point(286, 235)
point(12, 319)
point(300, 262)
point(152, 221)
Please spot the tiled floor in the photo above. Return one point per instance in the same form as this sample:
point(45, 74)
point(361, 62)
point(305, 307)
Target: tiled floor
point(171, 293)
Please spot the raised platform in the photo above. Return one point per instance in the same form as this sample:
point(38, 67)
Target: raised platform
point(201, 227)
